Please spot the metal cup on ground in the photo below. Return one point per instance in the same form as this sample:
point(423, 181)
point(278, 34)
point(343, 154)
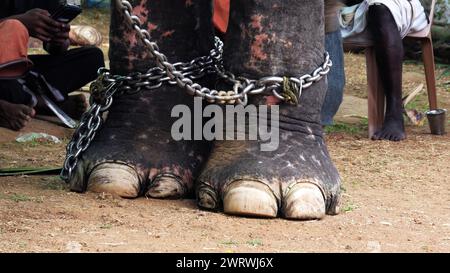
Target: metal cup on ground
point(437, 120)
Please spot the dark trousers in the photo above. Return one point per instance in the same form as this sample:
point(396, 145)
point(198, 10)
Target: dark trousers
point(67, 72)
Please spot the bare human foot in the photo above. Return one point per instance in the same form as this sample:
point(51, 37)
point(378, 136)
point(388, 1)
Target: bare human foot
point(14, 116)
point(392, 130)
point(74, 106)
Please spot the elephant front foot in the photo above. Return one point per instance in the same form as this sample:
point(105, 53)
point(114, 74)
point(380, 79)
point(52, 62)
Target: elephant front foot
point(255, 199)
point(298, 181)
point(134, 154)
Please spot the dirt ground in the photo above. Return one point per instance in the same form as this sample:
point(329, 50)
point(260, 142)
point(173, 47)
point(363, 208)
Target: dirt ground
point(396, 198)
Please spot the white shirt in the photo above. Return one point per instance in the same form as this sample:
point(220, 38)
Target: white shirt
point(408, 15)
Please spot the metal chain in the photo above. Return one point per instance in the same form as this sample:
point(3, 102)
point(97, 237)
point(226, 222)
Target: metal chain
point(155, 77)
point(242, 87)
point(107, 86)
point(90, 124)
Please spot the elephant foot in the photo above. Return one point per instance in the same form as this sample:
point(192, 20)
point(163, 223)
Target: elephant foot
point(251, 198)
point(298, 181)
point(254, 199)
point(116, 179)
point(137, 131)
point(134, 153)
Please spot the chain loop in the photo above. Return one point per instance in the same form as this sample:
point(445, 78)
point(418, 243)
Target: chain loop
point(179, 73)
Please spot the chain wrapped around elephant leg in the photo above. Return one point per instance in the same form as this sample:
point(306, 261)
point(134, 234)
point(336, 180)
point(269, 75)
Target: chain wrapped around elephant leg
point(297, 179)
point(90, 123)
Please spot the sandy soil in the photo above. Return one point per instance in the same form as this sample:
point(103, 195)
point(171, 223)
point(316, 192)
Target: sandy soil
point(396, 198)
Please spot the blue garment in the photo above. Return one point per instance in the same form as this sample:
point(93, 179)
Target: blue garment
point(336, 77)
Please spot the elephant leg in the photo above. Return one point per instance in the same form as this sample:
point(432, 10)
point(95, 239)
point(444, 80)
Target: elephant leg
point(134, 153)
point(298, 179)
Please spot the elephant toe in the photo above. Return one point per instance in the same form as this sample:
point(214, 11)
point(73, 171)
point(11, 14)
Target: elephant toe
point(166, 187)
point(304, 201)
point(116, 179)
point(207, 198)
point(250, 198)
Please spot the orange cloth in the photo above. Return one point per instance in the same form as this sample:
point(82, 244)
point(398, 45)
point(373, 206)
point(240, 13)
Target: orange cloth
point(221, 14)
point(14, 60)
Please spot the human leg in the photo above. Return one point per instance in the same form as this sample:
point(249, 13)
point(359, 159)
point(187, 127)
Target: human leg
point(14, 109)
point(389, 57)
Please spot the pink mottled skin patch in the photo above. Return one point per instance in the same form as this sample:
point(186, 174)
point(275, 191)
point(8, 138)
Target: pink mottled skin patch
point(256, 49)
point(188, 178)
point(272, 100)
point(286, 43)
point(189, 3)
point(151, 27)
point(141, 170)
point(141, 11)
point(185, 174)
point(152, 174)
point(256, 22)
point(132, 58)
point(168, 33)
point(131, 38)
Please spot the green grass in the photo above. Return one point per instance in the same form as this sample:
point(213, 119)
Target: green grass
point(229, 243)
point(445, 73)
point(33, 143)
point(53, 183)
point(106, 226)
point(349, 207)
point(22, 244)
point(21, 198)
point(418, 104)
point(37, 143)
point(353, 129)
point(255, 243)
point(446, 86)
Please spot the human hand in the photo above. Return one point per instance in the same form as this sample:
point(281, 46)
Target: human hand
point(60, 42)
point(61, 37)
point(40, 25)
